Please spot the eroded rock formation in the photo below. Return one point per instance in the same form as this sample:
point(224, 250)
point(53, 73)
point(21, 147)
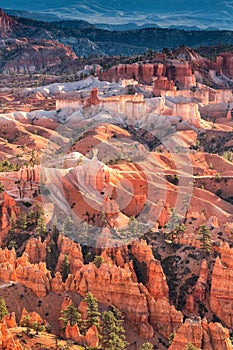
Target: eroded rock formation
point(212, 336)
point(9, 210)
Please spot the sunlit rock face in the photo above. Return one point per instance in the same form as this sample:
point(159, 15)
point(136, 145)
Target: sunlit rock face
point(179, 72)
point(6, 24)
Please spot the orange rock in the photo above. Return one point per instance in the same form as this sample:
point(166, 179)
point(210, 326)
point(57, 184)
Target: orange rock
point(156, 283)
point(36, 250)
point(7, 340)
point(111, 285)
point(188, 332)
point(221, 293)
point(212, 336)
point(146, 330)
point(176, 71)
point(161, 84)
point(92, 337)
point(190, 304)
point(67, 301)
point(73, 250)
point(142, 251)
point(7, 264)
point(33, 276)
point(38, 54)
point(57, 285)
point(31, 317)
point(164, 216)
point(9, 209)
point(6, 24)
point(162, 316)
point(201, 284)
point(10, 320)
point(156, 279)
point(93, 99)
point(224, 64)
point(82, 308)
point(73, 333)
point(219, 337)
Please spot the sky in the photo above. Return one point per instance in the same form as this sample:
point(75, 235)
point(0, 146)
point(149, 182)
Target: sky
point(217, 13)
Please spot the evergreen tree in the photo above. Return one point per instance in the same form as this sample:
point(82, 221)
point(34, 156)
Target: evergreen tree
point(38, 327)
point(26, 321)
point(174, 227)
point(228, 155)
point(3, 308)
point(93, 314)
point(98, 260)
point(68, 226)
point(133, 226)
point(65, 267)
point(22, 222)
point(71, 315)
point(13, 224)
point(1, 187)
point(83, 234)
point(113, 332)
point(41, 227)
point(118, 317)
point(147, 346)
point(205, 238)
point(190, 346)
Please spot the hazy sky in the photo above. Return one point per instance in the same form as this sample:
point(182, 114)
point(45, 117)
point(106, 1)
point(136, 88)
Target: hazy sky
point(201, 13)
point(168, 5)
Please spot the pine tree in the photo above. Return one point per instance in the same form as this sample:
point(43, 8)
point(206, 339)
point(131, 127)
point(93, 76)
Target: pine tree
point(98, 260)
point(22, 222)
point(93, 314)
point(83, 233)
point(68, 226)
point(41, 227)
point(133, 226)
point(113, 332)
point(174, 227)
point(71, 315)
point(3, 308)
point(65, 267)
point(205, 238)
point(13, 225)
point(1, 187)
point(38, 327)
point(147, 346)
point(190, 346)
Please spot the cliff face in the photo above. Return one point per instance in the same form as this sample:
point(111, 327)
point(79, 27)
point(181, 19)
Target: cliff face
point(33, 276)
point(221, 290)
point(9, 210)
point(180, 73)
point(6, 25)
point(212, 336)
point(36, 250)
point(156, 279)
point(111, 285)
point(8, 341)
point(224, 64)
point(37, 55)
point(156, 285)
point(73, 250)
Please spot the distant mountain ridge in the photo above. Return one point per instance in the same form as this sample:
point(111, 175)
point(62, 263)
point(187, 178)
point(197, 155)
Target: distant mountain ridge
point(85, 39)
point(201, 14)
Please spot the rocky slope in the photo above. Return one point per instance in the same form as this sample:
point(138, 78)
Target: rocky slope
point(133, 170)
